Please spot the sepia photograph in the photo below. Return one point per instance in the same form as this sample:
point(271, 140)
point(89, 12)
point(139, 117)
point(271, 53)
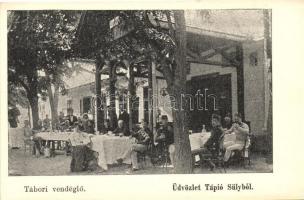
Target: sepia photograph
point(139, 92)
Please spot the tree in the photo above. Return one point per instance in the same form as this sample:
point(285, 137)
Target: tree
point(176, 81)
point(167, 48)
point(141, 39)
point(38, 43)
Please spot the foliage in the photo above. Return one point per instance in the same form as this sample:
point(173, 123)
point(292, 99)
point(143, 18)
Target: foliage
point(17, 96)
point(38, 44)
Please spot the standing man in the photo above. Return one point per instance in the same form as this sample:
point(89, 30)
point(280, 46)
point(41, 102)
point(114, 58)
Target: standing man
point(13, 113)
point(47, 123)
point(72, 119)
point(165, 136)
point(124, 116)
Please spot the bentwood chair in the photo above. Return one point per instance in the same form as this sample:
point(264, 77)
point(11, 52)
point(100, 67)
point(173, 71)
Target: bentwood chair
point(28, 144)
point(142, 156)
point(243, 155)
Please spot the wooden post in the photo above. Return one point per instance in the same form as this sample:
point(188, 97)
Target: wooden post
point(99, 106)
point(240, 79)
point(150, 96)
point(112, 108)
point(132, 94)
point(154, 95)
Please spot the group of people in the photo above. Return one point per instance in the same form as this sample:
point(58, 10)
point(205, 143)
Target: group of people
point(162, 139)
point(216, 143)
point(67, 123)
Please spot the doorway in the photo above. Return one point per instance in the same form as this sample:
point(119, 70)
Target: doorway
point(211, 94)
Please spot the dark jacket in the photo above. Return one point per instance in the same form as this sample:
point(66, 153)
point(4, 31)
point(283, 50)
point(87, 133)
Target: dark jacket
point(125, 117)
point(214, 140)
point(123, 130)
point(167, 131)
point(143, 136)
point(72, 119)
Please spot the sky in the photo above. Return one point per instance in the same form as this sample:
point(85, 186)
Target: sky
point(240, 22)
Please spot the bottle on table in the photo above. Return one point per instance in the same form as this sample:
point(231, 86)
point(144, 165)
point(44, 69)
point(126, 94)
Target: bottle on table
point(204, 129)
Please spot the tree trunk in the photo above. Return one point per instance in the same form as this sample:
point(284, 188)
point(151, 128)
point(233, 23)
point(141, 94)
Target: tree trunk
point(183, 159)
point(112, 88)
point(150, 96)
point(32, 95)
point(33, 99)
point(53, 98)
point(176, 81)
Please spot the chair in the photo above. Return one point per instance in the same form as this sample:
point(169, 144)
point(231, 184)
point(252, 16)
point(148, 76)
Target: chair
point(215, 159)
point(160, 154)
point(28, 143)
point(142, 155)
point(244, 153)
point(198, 152)
point(246, 150)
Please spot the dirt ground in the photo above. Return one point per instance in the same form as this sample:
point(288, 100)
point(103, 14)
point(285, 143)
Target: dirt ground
point(24, 164)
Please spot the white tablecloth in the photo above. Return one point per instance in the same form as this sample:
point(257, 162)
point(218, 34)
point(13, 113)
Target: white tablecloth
point(15, 137)
point(112, 148)
point(197, 140)
point(51, 136)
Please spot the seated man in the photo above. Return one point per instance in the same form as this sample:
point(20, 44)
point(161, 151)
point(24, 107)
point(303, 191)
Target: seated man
point(241, 131)
point(82, 155)
point(106, 127)
point(213, 143)
point(71, 117)
point(165, 136)
point(121, 130)
point(65, 127)
point(227, 121)
point(142, 141)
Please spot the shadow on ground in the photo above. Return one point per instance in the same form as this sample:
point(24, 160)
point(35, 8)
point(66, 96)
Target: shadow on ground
point(23, 164)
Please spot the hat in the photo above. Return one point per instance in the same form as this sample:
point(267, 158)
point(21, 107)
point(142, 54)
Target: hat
point(165, 117)
point(216, 116)
point(238, 115)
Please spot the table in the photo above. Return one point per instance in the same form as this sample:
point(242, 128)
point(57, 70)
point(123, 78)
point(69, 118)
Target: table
point(197, 140)
point(53, 136)
point(112, 148)
point(15, 137)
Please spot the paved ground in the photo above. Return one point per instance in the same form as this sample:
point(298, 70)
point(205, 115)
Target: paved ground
point(21, 164)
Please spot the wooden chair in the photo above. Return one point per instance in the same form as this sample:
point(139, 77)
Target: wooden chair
point(143, 155)
point(244, 154)
point(28, 143)
point(215, 160)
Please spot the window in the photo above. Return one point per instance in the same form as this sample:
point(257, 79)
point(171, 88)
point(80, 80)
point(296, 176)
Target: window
point(69, 103)
point(80, 107)
point(86, 104)
point(253, 59)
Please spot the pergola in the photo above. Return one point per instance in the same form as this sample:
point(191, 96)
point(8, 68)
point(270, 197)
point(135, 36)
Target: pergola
point(201, 46)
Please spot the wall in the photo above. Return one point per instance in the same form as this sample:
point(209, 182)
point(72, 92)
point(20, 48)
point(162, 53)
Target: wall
point(255, 93)
point(254, 86)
